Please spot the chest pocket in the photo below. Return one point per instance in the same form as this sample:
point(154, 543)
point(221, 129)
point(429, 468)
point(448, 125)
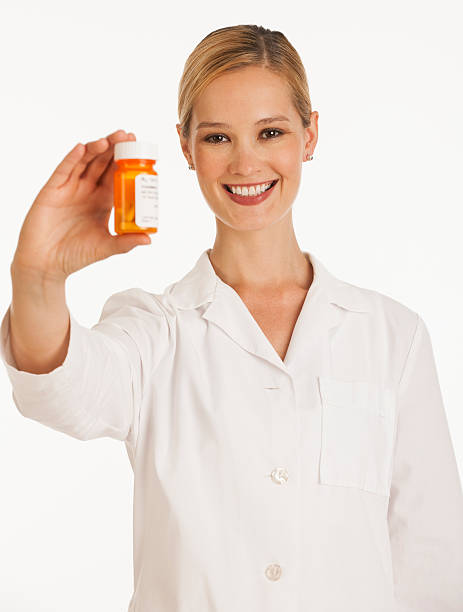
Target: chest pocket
point(357, 434)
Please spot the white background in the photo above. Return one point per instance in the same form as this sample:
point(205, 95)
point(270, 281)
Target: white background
point(380, 205)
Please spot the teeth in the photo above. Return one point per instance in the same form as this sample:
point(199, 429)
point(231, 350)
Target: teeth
point(251, 191)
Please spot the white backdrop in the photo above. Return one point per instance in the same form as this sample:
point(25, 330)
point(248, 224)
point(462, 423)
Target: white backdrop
point(380, 205)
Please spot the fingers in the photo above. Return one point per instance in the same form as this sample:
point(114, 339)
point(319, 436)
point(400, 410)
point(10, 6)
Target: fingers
point(65, 168)
point(126, 242)
point(94, 149)
point(102, 163)
point(105, 178)
point(89, 161)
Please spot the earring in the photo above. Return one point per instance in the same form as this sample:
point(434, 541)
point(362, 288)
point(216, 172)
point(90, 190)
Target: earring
point(190, 167)
point(309, 157)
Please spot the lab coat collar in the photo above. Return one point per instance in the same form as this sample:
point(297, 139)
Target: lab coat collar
point(324, 309)
point(201, 283)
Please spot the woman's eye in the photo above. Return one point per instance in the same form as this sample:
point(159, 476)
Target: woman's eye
point(208, 138)
point(266, 131)
point(272, 130)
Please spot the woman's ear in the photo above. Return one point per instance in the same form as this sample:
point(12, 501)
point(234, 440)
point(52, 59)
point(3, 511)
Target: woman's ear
point(311, 134)
point(184, 144)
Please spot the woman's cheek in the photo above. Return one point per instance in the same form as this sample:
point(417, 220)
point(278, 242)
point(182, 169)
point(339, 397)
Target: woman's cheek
point(287, 161)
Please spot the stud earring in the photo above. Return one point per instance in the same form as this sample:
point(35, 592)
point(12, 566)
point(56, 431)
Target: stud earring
point(308, 157)
point(190, 167)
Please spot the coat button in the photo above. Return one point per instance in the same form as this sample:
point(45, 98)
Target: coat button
point(273, 571)
point(279, 475)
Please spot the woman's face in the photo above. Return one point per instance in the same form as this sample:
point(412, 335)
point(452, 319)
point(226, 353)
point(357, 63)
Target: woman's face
point(243, 151)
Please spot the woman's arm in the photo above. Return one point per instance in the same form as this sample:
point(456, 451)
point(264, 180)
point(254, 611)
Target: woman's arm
point(426, 504)
point(39, 321)
point(97, 390)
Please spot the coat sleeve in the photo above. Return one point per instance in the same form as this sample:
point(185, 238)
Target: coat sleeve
point(98, 390)
point(425, 514)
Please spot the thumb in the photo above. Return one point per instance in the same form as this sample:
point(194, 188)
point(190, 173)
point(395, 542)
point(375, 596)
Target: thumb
point(126, 242)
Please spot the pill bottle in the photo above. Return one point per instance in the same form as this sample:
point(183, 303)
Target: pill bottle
point(135, 188)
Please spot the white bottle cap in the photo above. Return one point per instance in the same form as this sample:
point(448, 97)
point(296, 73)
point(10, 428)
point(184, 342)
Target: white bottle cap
point(135, 149)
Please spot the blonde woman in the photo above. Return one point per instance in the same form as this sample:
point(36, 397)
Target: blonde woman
point(286, 428)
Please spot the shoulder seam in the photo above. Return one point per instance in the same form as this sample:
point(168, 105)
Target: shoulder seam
point(418, 318)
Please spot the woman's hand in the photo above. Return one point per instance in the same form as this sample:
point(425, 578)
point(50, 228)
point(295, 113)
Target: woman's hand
point(66, 227)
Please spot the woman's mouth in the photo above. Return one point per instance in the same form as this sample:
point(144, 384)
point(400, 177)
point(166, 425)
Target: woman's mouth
point(249, 200)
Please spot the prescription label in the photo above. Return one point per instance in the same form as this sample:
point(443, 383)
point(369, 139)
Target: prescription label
point(146, 200)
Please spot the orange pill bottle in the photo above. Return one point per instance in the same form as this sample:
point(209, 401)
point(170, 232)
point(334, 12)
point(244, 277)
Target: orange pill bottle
point(135, 188)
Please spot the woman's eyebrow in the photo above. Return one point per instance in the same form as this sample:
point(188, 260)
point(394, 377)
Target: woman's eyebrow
point(226, 125)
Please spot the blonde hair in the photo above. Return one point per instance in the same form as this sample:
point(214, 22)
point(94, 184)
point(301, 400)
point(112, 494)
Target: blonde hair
point(235, 47)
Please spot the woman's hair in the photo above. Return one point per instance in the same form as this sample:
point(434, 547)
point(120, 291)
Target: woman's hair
point(235, 47)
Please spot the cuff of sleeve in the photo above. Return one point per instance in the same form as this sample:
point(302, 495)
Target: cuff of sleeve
point(35, 386)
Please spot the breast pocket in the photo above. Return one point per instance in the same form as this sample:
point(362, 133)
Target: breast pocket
point(357, 434)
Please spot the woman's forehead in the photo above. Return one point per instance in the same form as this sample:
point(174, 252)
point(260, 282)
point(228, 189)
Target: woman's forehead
point(249, 101)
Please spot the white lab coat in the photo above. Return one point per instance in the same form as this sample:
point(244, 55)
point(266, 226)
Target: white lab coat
point(326, 482)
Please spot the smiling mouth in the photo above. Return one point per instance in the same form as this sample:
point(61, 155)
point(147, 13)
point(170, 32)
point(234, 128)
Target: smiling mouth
point(272, 183)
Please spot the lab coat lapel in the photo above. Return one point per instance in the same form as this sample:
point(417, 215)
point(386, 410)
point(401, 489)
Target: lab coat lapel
point(230, 313)
point(317, 322)
point(328, 302)
point(323, 311)
point(317, 315)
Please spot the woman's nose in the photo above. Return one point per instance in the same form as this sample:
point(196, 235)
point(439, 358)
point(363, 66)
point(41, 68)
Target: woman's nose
point(244, 161)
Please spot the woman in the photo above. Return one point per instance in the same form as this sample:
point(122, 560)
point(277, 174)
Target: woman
point(286, 428)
